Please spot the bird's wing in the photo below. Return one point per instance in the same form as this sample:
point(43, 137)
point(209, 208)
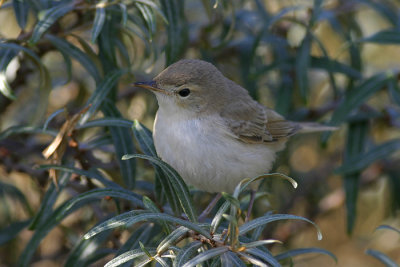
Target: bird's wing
point(257, 124)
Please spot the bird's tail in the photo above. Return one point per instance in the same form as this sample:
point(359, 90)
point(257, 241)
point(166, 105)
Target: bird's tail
point(310, 127)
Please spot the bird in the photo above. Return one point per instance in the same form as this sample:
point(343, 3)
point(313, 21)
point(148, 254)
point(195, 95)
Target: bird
point(211, 131)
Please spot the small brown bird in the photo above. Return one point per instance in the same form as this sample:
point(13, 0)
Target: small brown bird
point(211, 131)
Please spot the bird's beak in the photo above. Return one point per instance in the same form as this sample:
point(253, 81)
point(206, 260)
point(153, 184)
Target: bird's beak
point(152, 85)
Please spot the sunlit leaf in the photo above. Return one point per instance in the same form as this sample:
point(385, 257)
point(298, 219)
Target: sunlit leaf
point(260, 243)
point(206, 255)
point(266, 257)
point(271, 218)
point(155, 7)
point(129, 218)
point(219, 216)
point(6, 55)
point(5, 87)
point(252, 259)
point(99, 20)
point(171, 239)
point(127, 256)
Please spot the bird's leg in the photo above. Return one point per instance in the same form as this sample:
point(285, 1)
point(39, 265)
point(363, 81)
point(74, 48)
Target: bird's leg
point(250, 208)
point(210, 206)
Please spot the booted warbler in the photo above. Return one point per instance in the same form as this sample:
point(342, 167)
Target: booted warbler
point(211, 131)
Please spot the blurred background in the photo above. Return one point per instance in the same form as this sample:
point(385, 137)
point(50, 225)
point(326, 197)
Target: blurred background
point(332, 61)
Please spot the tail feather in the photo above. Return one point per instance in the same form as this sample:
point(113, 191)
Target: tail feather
point(311, 127)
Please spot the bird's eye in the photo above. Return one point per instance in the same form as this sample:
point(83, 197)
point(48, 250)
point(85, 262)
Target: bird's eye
point(184, 92)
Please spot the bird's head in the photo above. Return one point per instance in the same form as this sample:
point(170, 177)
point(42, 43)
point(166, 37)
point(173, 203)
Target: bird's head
point(193, 85)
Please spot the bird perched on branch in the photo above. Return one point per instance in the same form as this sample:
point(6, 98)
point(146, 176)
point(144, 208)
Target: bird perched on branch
point(211, 131)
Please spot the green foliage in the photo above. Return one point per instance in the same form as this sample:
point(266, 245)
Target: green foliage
point(93, 159)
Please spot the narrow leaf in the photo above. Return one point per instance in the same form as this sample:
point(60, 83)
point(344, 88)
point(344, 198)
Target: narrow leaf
point(21, 11)
point(301, 251)
point(356, 141)
point(252, 260)
point(186, 253)
point(127, 256)
point(302, 65)
point(5, 87)
point(391, 36)
point(107, 122)
point(99, 20)
point(387, 227)
point(179, 185)
point(48, 17)
point(123, 143)
point(51, 117)
point(101, 92)
point(362, 160)
point(96, 194)
point(92, 173)
point(49, 200)
point(144, 138)
point(271, 218)
point(265, 256)
point(358, 95)
point(171, 239)
point(229, 259)
point(132, 217)
point(388, 262)
point(10, 232)
point(71, 50)
point(14, 130)
point(206, 255)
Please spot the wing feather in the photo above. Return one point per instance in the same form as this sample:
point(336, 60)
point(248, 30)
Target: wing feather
point(251, 122)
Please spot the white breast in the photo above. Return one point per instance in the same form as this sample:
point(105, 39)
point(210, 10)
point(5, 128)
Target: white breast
point(206, 155)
